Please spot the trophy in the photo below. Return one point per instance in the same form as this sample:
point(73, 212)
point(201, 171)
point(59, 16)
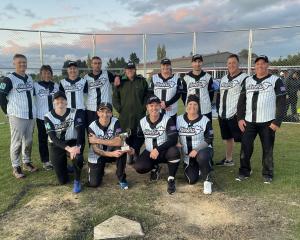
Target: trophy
point(123, 137)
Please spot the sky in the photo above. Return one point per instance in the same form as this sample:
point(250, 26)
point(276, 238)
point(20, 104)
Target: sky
point(148, 16)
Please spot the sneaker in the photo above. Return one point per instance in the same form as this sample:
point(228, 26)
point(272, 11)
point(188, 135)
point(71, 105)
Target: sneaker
point(47, 166)
point(29, 167)
point(17, 172)
point(241, 178)
point(224, 162)
point(124, 185)
point(154, 175)
point(171, 186)
point(268, 180)
point(207, 187)
point(77, 186)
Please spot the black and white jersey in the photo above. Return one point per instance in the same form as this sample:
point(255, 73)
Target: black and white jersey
point(74, 90)
point(167, 90)
point(192, 133)
point(19, 93)
point(64, 127)
point(261, 97)
point(109, 132)
point(156, 134)
point(43, 92)
point(99, 89)
point(201, 85)
point(230, 89)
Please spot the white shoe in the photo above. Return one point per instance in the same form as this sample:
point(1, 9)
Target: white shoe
point(207, 187)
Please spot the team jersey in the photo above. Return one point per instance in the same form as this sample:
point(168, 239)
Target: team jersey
point(109, 132)
point(201, 85)
point(167, 90)
point(192, 133)
point(99, 89)
point(230, 89)
point(74, 90)
point(19, 95)
point(43, 92)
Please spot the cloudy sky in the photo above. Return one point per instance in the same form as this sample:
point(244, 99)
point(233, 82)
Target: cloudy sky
point(148, 16)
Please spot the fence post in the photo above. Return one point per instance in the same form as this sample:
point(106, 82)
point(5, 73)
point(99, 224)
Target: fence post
point(145, 54)
point(250, 51)
point(41, 49)
point(94, 44)
point(194, 43)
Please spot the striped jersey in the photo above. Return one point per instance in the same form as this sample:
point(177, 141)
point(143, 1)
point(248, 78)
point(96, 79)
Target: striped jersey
point(74, 90)
point(109, 132)
point(167, 90)
point(99, 89)
point(261, 97)
point(20, 98)
point(202, 85)
point(43, 92)
point(155, 134)
point(192, 133)
point(230, 89)
point(64, 127)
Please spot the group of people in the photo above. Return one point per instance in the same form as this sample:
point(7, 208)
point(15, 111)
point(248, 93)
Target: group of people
point(77, 107)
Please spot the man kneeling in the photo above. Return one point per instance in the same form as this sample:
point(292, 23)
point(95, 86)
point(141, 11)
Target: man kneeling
point(159, 133)
point(196, 137)
point(104, 140)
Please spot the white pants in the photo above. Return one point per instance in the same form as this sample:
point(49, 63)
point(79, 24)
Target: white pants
point(21, 132)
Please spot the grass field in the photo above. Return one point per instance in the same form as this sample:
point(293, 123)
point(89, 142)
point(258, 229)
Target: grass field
point(37, 208)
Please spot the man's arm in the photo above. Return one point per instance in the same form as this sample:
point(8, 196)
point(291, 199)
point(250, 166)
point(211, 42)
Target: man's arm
point(5, 88)
point(175, 98)
point(280, 92)
point(184, 91)
point(211, 89)
point(241, 106)
point(208, 137)
point(172, 135)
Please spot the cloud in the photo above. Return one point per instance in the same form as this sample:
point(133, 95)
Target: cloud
point(49, 22)
point(29, 13)
point(11, 8)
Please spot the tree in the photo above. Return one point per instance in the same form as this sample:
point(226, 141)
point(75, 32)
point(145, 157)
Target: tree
point(89, 61)
point(158, 52)
point(134, 58)
point(163, 51)
point(290, 60)
point(116, 63)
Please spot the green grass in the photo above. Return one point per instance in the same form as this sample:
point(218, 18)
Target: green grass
point(138, 202)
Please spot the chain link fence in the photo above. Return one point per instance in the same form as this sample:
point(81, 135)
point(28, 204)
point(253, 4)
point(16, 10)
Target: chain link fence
point(280, 44)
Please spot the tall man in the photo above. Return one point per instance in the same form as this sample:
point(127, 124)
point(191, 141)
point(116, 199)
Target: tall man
point(260, 110)
point(167, 87)
point(129, 99)
point(200, 83)
point(227, 99)
point(16, 99)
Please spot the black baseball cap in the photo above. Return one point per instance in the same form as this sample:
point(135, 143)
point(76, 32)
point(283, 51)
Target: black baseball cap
point(153, 99)
point(197, 56)
point(263, 57)
point(130, 65)
point(72, 63)
point(165, 61)
point(193, 98)
point(106, 105)
point(59, 94)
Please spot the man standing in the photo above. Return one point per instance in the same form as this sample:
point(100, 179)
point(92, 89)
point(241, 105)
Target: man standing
point(227, 99)
point(129, 99)
point(99, 88)
point(167, 87)
point(16, 99)
point(260, 110)
point(200, 83)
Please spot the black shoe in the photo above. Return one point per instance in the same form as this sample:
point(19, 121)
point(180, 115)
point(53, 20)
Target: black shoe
point(268, 180)
point(154, 175)
point(241, 178)
point(171, 186)
point(17, 172)
point(225, 162)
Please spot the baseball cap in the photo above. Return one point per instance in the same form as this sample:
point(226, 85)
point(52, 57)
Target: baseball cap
point(263, 57)
point(130, 65)
point(59, 94)
point(153, 99)
point(165, 61)
point(197, 56)
point(72, 63)
point(106, 105)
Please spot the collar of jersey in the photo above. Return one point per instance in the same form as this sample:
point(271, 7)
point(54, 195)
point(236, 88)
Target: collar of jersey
point(73, 81)
point(61, 117)
point(165, 79)
point(153, 125)
point(233, 77)
point(95, 76)
point(197, 77)
point(192, 121)
point(261, 79)
point(20, 77)
point(101, 126)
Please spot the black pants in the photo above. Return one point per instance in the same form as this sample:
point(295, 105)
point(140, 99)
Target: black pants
point(90, 116)
point(58, 158)
point(201, 162)
point(96, 170)
point(145, 164)
point(267, 138)
point(43, 141)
